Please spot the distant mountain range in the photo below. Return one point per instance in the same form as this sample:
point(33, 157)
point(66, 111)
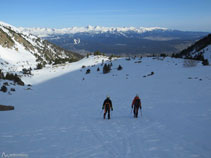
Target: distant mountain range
point(119, 40)
point(20, 50)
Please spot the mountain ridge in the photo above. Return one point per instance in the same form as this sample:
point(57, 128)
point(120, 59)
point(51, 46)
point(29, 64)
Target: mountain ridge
point(119, 40)
point(19, 50)
point(200, 50)
point(43, 32)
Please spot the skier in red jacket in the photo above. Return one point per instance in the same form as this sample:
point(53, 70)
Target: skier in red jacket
point(136, 104)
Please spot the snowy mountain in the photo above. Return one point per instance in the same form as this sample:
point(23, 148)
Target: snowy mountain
point(20, 50)
point(61, 116)
point(119, 40)
point(45, 32)
point(200, 50)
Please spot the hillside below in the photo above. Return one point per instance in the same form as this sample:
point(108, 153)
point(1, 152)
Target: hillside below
point(61, 114)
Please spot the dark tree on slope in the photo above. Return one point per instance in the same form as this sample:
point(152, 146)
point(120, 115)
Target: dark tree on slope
point(205, 62)
point(119, 67)
point(15, 78)
point(39, 66)
point(106, 68)
point(3, 89)
point(88, 71)
point(27, 71)
point(98, 53)
point(163, 55)
point(1, 74)
point(175, 55)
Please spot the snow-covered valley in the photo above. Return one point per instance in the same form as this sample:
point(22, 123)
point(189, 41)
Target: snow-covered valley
point(62, 115)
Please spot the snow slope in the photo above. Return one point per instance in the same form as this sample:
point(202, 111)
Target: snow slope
point(19, 49)
point(61, 116)
point(207, 53)
point(17, 60)
point(52, 71)
point(17, 57)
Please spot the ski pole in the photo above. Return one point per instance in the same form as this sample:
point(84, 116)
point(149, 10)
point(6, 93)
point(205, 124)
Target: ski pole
point(131, 110)
point(141, 112)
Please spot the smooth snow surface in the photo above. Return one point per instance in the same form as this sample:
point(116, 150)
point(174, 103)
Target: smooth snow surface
point(61, 116)
point(17, 59)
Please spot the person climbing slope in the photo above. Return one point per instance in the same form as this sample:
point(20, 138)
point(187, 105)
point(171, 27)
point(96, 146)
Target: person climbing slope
point(107, 105)
point(136, 104)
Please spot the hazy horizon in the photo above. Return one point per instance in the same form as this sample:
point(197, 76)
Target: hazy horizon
point(189, 15)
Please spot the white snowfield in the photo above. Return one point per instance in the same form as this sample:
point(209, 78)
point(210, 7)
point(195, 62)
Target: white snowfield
point(61, 117)
point(17, 60)
point(43, 32)
point(17, 57)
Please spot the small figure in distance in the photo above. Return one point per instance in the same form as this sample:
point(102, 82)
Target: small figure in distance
point(107, 105)
point(136, 104)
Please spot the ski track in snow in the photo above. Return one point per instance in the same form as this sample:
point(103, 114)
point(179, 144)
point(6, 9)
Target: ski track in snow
point(61, 116)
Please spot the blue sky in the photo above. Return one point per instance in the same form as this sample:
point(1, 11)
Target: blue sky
point(190, 15)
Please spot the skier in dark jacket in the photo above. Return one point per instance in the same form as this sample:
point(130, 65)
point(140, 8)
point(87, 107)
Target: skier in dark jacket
point(107, 105)
point(136, 104)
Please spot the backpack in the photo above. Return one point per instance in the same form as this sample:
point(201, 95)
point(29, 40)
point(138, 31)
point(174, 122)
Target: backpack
point(137, 103)
point(107, 104)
